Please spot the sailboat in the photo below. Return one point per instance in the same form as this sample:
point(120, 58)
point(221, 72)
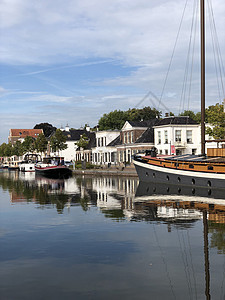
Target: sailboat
point(194, 170)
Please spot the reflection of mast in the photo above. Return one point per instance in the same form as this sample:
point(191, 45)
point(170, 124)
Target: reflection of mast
point(206, 254)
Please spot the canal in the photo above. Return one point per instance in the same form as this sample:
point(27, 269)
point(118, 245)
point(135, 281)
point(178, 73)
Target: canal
point(108, 238)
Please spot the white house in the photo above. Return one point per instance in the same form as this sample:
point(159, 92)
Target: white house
point(72, 137)
point(179, 135)
point(105, 151)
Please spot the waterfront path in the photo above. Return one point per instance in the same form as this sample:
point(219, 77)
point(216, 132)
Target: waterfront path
point(111, 171)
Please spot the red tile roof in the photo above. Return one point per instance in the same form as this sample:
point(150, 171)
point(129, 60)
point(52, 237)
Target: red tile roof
point(22, 133)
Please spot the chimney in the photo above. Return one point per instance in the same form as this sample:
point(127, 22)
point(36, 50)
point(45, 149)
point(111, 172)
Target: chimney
point(67, 128)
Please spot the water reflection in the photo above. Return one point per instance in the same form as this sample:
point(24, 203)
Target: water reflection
point(142, 239)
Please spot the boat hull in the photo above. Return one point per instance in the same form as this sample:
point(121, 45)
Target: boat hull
point(27, 167)
point(54, 171)
point(159, 174)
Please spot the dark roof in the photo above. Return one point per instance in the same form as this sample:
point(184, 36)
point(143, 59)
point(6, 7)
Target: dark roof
point(75, 135)
point(115, 142)
point(182, 120)
point(146, 123)
point(146, 137)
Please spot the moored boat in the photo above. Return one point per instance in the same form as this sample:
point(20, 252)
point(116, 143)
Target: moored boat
point(53, 167)
point(28, 164)
point(196, 170)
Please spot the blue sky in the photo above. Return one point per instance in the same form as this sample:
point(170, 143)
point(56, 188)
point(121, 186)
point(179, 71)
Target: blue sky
point(72, 61)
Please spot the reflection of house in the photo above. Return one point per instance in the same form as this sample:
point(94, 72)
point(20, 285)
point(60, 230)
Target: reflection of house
point(20, 134)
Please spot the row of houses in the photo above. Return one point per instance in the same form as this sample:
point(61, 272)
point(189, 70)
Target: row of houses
point(170, 135)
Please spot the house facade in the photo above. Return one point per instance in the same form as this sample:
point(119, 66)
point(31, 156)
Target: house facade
point(105, 151)
point(72, 152)
point(135, 137)
point(177, 135)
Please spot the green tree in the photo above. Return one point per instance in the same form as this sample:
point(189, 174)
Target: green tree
point(83, 141)
point(41, 143)
point(58, 141)
point(48, 129)
point(117, 118)
point(28, 144)
point(215, 116)
point(8, 151)
point(112, 120)
point(194, 116)
point(18, 148)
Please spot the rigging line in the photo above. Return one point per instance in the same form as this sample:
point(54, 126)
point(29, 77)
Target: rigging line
point(182, 256)
point(193, 47)
point(170, 63)
point(216, 41)
point(214, 52)
point(164, 261)
point(187, 65)
point(192, 265)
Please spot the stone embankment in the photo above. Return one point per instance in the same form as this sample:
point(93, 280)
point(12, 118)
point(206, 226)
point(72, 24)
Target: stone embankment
point(111, 171)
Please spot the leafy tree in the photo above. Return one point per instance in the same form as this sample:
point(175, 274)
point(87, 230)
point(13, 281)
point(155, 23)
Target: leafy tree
point(117, 118)
point(83, 141)
point(194, 116)
point(47, 128)
point(18, 148)
point(41, 143)
point(112, 120)
point(6, 150)
point(29, 144)
point(9, 150)
point(58, 141)
point(146, 113)
point(216, 117)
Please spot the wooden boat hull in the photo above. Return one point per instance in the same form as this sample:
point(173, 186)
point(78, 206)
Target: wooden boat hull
point(161, 174)
point(54, 171)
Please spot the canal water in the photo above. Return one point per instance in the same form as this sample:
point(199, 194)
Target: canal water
point(108, 238)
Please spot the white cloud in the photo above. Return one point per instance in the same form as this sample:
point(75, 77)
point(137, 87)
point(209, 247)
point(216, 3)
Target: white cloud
point(138, 32)
point(56, 36)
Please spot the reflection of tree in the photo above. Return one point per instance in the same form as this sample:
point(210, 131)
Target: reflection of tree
point(115, 214)
point(217, 240)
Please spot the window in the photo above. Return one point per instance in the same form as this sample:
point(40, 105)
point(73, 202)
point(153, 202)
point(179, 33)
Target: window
point(128, 137)
point(166, 136)
point(194, 151)
point(159, 137)
point(132, 137)
point(189, 136)
point(125, 138)
point(166, 152)
point(178, 135)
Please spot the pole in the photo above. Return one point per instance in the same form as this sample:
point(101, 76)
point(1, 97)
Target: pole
point(202, 3)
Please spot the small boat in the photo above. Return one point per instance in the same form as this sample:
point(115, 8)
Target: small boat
point(28, 164)
point(13, 166)
point(195, 170)
point(53, 167)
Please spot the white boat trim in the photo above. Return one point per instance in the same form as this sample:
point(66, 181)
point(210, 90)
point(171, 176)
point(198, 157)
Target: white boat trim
point(179, 172)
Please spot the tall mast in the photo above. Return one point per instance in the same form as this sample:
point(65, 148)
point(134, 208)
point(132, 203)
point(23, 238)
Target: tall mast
point(202, 17)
